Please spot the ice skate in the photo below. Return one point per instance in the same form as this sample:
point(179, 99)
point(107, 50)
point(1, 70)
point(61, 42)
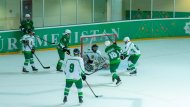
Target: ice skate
point(65, 99)
point(129, 69)
point(80, 100)
point(118, 82)
point(60, 70)
point(24, 70)
point(133, 72)
point(113, 79)
point(34, 68)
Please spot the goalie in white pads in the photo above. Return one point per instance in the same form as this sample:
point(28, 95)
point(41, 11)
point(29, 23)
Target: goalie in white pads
point(74, 71)
point(94, 60)
point(132, 52)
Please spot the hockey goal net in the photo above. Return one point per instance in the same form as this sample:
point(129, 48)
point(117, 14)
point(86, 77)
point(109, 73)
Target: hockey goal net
point(88, 40)
point(95, 60)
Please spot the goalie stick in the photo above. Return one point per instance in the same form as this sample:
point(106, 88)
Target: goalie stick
point(94, 71)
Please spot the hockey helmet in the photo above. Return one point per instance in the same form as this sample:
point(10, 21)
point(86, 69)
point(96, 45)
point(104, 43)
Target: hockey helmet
point(67, 31)
point(107, 43)
point(94, 47)
point(126, 39)
point(27, 15)
point(76, 51)
point(29, 31)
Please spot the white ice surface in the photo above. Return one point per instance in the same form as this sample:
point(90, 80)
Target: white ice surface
point(163, 80)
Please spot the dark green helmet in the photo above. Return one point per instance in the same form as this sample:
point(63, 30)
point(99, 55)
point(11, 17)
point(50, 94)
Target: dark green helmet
point(76, 51)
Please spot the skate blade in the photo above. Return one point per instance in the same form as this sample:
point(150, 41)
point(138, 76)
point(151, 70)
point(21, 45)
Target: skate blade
point(25, 72)
point(132, 74)
point(111, 84)
point(118, 84)
point(74, 105)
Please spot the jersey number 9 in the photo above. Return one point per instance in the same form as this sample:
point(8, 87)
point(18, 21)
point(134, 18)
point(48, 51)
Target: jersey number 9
point(71, 68)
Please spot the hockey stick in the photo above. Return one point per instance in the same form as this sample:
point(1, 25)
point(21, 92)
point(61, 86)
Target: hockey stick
point(38, 59)
point(110, 39)
point(92, 90)
point(94, 71)
point(41, 63)
point(43, 39)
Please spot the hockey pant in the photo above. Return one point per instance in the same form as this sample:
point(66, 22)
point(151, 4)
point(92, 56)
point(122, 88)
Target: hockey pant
point(113, 68)
point(132, 60)
point(61, 58)
point(28, 58)
point(78, 84)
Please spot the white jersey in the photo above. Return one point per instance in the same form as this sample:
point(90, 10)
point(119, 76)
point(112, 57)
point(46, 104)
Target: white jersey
point(131, 49)
point(93, 55)
point(30, 40)
point(74, 68)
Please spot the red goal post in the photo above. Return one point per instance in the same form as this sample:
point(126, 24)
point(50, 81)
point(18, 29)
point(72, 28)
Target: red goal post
point(86, 41)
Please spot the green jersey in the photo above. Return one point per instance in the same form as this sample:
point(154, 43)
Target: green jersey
point(113, 52)
point(64, 42)
point(27, 25)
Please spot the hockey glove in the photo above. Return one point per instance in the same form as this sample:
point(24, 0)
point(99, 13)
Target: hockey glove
point(115, 43)
point(33, 50)
point(22, 29)
point(68, 52)
point(83, 77)
point(123, 56)
point(64, 49)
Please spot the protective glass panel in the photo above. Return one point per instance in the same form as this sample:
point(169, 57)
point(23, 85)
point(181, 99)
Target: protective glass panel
point(52, 13)
point(141, 9)
point(182, 8)
point(68, 12)
point(163, 8)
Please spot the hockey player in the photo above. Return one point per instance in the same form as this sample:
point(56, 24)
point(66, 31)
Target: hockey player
point(27, 24)
point(94, 59)
point(74, 71)
point(133, 54)
point(28, 48)
point(113, 52)
point(62, 48)
point(93, 54)
point(94, 49)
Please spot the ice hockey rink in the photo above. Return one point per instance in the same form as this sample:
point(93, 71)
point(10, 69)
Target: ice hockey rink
point(163, 80)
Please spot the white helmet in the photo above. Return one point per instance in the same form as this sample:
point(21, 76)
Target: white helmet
point(27, 15)
point(126, 39)
point(67, 31)
point(107, 43)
